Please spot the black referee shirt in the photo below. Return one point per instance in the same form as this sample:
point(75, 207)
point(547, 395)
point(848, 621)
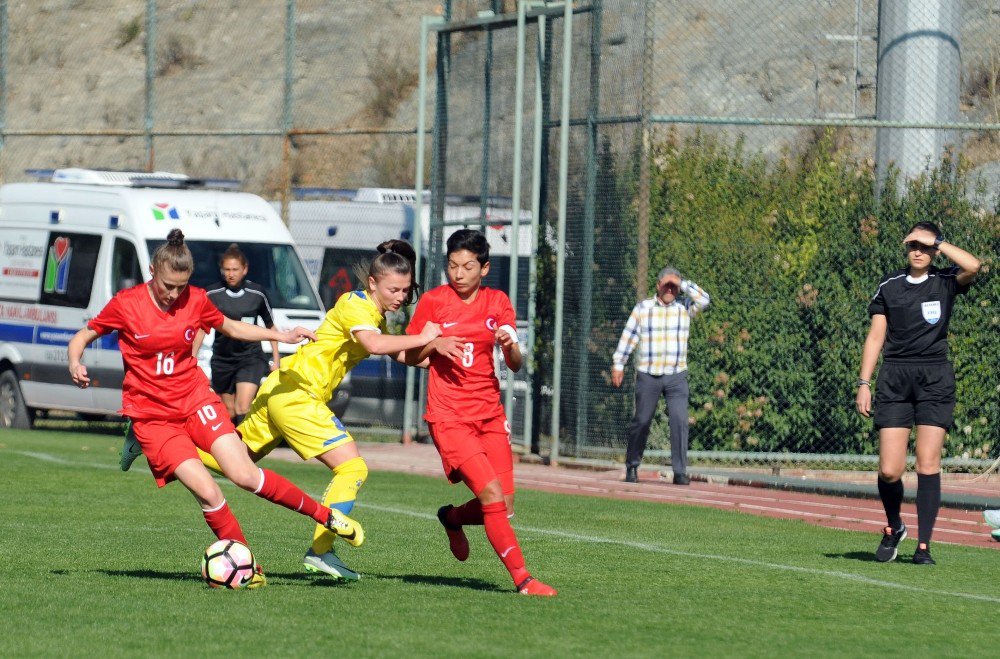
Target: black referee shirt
point(917, 313)
point(246, 303)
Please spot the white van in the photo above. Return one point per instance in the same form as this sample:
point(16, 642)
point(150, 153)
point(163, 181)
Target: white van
point(69, 244)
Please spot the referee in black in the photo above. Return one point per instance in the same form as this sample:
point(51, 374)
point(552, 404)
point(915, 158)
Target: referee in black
point(239, 366)
point(910, 312)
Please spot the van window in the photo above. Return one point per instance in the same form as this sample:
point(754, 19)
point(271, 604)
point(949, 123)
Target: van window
point(275, 267)
point(70, 263)
point(125, 269)
point(336, 276)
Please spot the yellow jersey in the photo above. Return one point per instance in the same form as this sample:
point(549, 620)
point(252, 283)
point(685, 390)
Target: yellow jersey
point(319, 366)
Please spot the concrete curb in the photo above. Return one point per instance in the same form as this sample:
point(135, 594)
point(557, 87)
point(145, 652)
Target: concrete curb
point(958, 500)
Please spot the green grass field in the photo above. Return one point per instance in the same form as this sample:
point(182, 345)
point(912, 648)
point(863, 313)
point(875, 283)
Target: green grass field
point(97, 562)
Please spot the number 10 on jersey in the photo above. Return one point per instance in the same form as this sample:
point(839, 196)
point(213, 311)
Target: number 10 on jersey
point(164, 363)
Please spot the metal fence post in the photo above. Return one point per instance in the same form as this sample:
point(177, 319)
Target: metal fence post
point(515, 194)
point(150, 77)
point(590, 201)
point(645, 93)
point(4, 37)
point(286, 113)
point(536, 212)
point(409, 405)
point(561, 255)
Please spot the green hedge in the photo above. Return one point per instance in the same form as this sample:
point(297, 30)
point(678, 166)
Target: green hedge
point(790, 253)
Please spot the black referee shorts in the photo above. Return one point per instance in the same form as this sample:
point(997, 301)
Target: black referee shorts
point(225, 375)
point(909, 394)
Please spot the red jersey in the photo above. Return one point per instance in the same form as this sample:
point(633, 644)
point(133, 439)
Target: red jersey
point(467, 389)
point(162, 377)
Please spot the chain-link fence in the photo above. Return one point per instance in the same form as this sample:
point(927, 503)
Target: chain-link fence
point(748, 144)
point(776, 177)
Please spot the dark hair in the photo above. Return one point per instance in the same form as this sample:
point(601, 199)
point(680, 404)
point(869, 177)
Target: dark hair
point(233, 252)
point(471, 240)
point(393, 256)
point(926, 226)
point(173, 254)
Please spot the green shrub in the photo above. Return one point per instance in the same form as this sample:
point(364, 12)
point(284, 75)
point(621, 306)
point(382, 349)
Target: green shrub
point(790, 254)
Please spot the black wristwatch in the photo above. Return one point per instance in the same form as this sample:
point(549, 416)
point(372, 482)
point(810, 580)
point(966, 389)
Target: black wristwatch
point(938, 241)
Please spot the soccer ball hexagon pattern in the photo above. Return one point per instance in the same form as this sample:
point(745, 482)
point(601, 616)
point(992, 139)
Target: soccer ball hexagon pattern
point(227, 564)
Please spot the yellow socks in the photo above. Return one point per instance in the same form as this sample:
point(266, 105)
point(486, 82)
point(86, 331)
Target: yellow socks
point(348, 477)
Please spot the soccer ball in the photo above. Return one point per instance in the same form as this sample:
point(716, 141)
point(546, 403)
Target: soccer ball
point(227, 564)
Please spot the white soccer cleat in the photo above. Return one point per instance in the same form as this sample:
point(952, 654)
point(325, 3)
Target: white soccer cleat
point(992, 517)
point(330, 564)
point(130, 449)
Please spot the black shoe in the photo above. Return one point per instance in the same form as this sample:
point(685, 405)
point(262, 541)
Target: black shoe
point(682, 479)
point(923, 556)
point(888, 548)
point(631, 474)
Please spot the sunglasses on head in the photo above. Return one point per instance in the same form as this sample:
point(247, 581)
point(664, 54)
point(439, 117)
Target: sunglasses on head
point(913, 246)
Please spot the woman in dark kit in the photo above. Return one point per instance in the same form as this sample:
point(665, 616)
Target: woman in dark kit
point(910, 313)
point(238, 367)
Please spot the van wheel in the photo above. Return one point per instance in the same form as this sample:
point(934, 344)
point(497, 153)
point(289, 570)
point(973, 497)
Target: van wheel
point(13, 412)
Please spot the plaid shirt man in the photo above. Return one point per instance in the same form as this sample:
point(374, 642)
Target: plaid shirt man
point(661, 330)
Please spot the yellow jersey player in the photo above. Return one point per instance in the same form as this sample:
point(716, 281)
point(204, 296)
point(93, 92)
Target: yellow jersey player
point(292, 403)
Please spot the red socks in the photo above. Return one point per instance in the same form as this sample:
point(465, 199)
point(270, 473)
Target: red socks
point(501, 536)
point(469, 513)
point(278, 489)
point(223, 523)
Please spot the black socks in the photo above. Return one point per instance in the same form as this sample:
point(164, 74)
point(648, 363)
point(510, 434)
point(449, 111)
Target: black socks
point(928, 504)
point(892, 499)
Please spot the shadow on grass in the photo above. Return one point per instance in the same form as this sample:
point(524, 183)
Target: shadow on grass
point(864, 556)
point(272, 577)
point(433, 580)
point(140, 574)
point(111, 428)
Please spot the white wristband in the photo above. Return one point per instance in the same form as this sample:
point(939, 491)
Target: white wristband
point(510, 330)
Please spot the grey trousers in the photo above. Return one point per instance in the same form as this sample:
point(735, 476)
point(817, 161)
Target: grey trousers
point(648, 389)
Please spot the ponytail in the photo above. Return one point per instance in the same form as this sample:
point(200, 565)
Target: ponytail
point(173, 254)
point(393, 256)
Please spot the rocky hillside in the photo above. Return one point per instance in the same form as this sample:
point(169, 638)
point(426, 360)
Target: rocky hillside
point(79, 65)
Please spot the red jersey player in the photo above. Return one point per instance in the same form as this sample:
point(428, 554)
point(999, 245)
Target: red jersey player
point(168, 398)
point(464, 413)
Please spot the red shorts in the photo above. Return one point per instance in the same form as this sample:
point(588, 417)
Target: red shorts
point(459, 441)
point(167, 443)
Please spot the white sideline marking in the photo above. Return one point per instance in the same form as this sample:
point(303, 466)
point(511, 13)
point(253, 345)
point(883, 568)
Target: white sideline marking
point(624, 543)
point(716, 557)
point(45, 457)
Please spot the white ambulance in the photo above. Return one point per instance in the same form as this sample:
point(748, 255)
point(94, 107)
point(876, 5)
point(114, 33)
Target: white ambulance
point(69, 244)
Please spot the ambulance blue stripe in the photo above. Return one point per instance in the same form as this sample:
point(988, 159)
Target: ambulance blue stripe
point(49, 336)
